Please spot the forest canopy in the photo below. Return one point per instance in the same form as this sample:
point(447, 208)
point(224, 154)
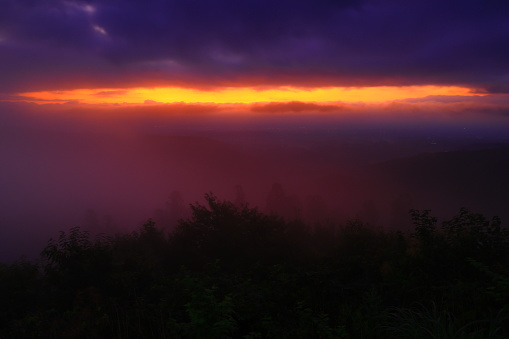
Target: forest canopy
point(231, 271)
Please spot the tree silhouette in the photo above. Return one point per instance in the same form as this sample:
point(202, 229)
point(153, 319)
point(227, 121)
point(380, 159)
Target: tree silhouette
point(240, 196)
point(369, 213)
point(399, 209)
point(232, 271)
point(279, 203)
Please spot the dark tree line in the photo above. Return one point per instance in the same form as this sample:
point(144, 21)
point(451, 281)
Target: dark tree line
point(231, 271)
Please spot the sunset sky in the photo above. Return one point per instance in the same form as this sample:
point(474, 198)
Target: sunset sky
point(113, 104)
point(243, 52)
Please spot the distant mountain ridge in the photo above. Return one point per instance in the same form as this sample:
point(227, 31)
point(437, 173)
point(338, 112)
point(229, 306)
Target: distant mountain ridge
point(477, 179)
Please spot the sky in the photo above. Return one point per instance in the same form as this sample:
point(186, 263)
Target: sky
point(86, 86)
point(326, 52)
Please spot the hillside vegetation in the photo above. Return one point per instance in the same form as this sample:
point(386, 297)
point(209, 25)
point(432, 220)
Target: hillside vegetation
point(230, 271)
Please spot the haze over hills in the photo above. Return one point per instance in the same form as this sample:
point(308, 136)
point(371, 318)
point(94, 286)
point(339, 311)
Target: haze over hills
point(475, 179)
point(441, 181)
point(111, 182)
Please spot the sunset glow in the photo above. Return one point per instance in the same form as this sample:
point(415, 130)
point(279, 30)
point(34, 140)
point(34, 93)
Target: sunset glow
point(244, 95)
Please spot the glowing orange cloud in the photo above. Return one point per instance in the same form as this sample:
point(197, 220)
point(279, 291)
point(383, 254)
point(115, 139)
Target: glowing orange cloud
point(245, 95)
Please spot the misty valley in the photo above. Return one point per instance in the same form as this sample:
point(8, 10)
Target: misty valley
point(113, 182)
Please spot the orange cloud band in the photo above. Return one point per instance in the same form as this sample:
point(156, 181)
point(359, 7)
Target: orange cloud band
point(244, 95)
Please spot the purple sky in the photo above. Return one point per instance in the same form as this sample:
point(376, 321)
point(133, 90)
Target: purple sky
point(59, 44)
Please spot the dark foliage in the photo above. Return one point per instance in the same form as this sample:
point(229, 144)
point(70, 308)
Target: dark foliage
point(231, 271)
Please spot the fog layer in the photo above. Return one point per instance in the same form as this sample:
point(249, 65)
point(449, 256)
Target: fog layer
point(109, 170)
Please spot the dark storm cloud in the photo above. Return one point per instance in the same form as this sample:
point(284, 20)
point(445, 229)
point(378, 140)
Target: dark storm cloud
point(57, 44)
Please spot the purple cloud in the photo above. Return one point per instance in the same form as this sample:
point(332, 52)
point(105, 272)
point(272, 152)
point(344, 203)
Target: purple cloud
point(57, 44)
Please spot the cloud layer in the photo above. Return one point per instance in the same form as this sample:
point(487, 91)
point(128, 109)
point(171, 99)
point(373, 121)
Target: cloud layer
point(64, 44)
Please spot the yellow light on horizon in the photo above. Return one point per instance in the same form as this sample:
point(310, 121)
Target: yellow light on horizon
point(245, 95)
